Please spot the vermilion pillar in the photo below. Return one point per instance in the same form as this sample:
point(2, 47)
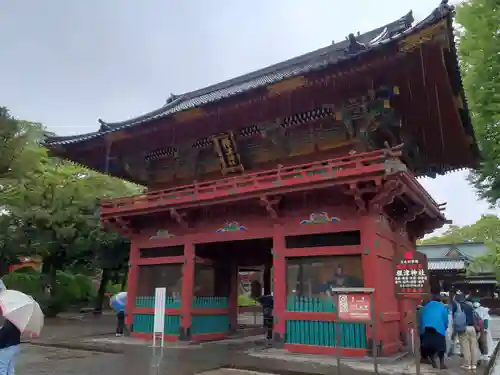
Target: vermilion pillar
point(132, 284)
point(187, 290)
point(279, 284)
point(377, 261)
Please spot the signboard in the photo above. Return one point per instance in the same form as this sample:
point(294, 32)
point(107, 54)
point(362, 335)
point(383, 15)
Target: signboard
point(355, 307)
point(159, 317)
point(411, 275)
point(225, 146)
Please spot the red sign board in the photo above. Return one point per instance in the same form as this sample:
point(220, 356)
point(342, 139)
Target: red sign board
point(411, 276)
point(355, 307)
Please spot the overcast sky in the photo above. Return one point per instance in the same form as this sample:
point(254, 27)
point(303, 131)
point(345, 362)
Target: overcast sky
point(66, 63)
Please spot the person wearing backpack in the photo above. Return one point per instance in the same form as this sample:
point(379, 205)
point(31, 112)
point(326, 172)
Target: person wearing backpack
point(464, 324)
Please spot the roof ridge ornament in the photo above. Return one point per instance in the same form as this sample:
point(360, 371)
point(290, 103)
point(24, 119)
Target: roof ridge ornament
point(354, 46)
point(443, 9)
point(104, 125)
point(172, 98)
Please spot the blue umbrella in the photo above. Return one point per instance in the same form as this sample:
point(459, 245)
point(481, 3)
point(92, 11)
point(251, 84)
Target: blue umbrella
point(119, 301)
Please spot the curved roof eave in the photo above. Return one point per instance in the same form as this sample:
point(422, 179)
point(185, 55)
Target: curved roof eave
point(317, 59)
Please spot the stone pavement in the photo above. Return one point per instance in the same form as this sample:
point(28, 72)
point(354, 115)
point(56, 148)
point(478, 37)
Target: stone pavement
point(84, 347)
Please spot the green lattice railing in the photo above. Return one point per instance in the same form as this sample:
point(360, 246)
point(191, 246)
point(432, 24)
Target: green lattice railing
point(175, 302)
point(210, 302)
point(310, 304)
point(149, 302)
point(144, 323)
point(204, 324)
point(322, 333)
point(201, 324)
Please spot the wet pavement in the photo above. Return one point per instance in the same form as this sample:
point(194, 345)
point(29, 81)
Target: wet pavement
point(84, 347)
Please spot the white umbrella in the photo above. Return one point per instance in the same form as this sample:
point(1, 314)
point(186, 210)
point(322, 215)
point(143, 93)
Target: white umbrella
point(22, 311)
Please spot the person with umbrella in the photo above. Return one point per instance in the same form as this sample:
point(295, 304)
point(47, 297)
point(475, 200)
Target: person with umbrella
point(118, 303)
point(10, 341)
point(20, 314)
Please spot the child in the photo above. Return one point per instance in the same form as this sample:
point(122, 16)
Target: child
point(267, 303)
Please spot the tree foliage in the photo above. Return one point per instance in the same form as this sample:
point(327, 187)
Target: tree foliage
point(486, 229)
point(49, 208)
point(479, 52)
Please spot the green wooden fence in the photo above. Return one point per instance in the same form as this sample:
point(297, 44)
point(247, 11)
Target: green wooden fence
point(144, 323)
point(310, 304)
point(149, 302)
point(210, 302)
point(321, 333)
point(201, 324)
point(204, 324)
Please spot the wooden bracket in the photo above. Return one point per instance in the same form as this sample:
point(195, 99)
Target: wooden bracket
point(413, 213)
point(178, 217)
point(358, 197)
point(390, 190)
point(121, 224)
point(271, 205)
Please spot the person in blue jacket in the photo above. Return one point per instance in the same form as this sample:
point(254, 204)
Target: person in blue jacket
point(267, 303)
point(433, 325)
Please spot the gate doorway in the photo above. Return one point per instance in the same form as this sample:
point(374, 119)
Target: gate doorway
point(226, 270)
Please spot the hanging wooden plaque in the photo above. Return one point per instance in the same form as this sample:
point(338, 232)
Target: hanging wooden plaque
point(225, 146)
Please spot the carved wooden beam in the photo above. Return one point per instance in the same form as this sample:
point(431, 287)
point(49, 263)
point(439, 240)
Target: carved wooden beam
point(271, 205)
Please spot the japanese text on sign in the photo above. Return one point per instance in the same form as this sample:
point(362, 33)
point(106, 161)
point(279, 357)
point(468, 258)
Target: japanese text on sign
point(354, 307)
point(410, 273)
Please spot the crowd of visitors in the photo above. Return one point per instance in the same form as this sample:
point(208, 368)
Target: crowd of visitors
point(444, 319)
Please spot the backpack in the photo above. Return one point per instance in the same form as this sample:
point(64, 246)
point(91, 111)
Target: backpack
point(478, 322)
point(459, 320)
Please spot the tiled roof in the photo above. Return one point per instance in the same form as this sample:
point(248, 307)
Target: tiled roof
point(445, 265)
point(469, 250)
point(353, 46)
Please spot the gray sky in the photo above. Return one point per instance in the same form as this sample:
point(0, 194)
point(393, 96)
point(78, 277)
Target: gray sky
point(67, 63)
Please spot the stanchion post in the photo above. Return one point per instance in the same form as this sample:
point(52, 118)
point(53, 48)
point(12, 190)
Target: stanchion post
point(374, 334)
point(416, 338)
point(337, 332)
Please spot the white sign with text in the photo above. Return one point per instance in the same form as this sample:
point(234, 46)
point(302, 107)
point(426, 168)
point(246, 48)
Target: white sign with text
point(159, 317)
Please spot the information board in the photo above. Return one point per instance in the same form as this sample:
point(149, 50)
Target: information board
point(355, 307)
point(411, 275)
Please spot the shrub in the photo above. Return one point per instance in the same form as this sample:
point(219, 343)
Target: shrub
point(70, 290)
point(86, 288)
point(28, 283)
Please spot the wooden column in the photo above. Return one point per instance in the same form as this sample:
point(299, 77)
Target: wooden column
point(378, 273)
point(370, 271)
point(187, 290)
point(132, 284)
point(279, 284)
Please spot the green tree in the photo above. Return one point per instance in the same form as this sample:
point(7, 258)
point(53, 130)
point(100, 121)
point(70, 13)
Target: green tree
point(479, 52)
point(18, 148)
point(486, 229)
